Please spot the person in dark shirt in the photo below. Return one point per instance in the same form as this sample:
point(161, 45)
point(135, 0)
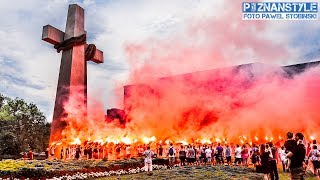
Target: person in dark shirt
point(47, 153)
point(89, 152)
point(297, 155)
point(67, 152)
point(61, 153)
point(160, 151)
point(273, 163)
point(182, 156)
point(219, 151)
point(264, 156)
point(289, 144)
point(255, 155)
point(78, 152)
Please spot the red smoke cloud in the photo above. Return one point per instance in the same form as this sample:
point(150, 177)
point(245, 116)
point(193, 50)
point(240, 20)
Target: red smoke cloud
point(257, 101)
point(252, 100)
point(236, 104)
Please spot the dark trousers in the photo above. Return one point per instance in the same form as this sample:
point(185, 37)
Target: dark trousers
point(284, 166)
point(274, 170)
point(237, 160)
point(228, 159)
point(220, 160)
point(182, 160)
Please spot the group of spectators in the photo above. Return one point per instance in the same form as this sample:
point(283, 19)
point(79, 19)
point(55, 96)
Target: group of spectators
point(294, 156)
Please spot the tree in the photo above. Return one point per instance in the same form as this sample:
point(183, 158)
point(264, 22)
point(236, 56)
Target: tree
point(22, 127)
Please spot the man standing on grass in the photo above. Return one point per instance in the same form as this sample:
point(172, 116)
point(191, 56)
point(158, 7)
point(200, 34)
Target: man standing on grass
point(148, 159)
point(219, 150)
point(160, 151)
point(228, 154)
point(208, 153)
point(171, 155)
point(238, 158)
point(182, 156)
point(273, 162)
point(297, 155)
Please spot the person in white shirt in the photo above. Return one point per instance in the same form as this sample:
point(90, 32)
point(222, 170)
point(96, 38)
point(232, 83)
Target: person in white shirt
point(128, 152)
point(148, 159)
point(208, 153)
point(237, 153)
point(314, 157)
point(284, 159)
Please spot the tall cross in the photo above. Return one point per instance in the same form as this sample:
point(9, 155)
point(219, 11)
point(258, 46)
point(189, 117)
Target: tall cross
point(73, 69)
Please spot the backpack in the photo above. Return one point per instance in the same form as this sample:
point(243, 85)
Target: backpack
point(171, 152)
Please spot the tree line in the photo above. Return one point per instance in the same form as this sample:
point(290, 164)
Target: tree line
point(23, 127)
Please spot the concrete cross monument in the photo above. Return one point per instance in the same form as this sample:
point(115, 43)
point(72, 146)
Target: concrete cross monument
point(73, 69)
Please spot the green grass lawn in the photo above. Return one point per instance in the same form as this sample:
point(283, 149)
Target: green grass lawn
point(198, 172)
point(206, 172)
point(24, 168)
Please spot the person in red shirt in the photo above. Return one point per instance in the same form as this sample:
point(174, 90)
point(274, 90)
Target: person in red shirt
point(30, 155)
point(25, 156)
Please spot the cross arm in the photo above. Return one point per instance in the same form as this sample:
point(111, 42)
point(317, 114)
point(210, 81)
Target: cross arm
point(98, 56)
point(52, 35)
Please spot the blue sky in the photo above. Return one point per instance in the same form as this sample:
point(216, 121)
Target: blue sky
point(30, 66)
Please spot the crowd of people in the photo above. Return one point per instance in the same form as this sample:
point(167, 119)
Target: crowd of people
point(94, 150)
point(294, 155)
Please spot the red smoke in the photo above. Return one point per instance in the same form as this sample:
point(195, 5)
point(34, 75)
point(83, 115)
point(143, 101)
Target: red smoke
point(257, 101)
point(251, 100)
point(234, 104)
